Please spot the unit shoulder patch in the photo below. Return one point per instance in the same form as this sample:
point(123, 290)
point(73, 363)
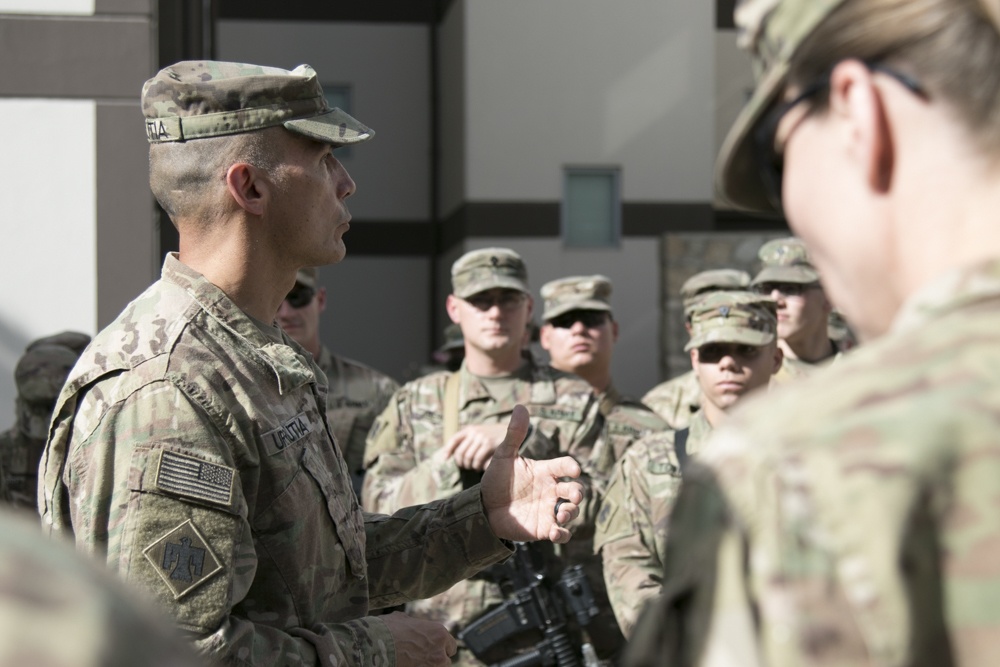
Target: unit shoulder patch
point(183, 559)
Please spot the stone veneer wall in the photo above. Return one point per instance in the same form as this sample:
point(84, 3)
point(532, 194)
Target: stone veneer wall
point(684, 254)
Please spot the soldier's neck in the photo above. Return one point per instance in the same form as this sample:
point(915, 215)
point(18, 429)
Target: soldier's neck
point(810, 350)
point(499, 363)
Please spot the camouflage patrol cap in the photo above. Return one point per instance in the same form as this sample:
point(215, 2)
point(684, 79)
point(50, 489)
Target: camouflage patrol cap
point(713, 280)
point(41, 372)
point(74, 340)
point(785, 261)
point(308, 277)
point(453, 338)
point(771, 31)
point(479, 270)
point(733, 317)
point(576, 293)
point(195, 99)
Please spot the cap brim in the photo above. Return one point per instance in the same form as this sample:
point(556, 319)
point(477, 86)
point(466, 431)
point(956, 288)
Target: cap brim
point(786, 274)
point(738, 336)
point(334, 127)
point(496, 282)
point(578, 305)
point(737, 176)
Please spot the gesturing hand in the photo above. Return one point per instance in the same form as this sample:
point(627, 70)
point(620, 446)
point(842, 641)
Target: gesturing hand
point(520, 495)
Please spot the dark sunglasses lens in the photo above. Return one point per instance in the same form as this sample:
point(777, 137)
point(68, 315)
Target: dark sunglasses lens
point(589, 319)
point(299, 297)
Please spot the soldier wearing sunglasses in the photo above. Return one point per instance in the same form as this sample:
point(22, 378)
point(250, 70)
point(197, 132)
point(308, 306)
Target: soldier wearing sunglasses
point(356, 393)
point(579, 333)
point(677, 399)
point(439, 432)
point(734, 352)
point(789, 277)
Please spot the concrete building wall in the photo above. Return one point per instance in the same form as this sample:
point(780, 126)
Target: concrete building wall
point(581, 82)
point(78, 226)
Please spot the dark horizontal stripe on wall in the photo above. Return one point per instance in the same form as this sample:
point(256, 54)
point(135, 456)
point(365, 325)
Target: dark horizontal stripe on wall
point(724, 10)
point(539, 220)
point(390, 238)
point(382, 11)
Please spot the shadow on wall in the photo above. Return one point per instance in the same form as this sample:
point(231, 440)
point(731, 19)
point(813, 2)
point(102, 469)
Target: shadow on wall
point(12, 344)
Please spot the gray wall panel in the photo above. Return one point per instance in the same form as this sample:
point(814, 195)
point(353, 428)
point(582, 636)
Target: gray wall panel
point(89, 58)
point(126, 264)
point(123, 7)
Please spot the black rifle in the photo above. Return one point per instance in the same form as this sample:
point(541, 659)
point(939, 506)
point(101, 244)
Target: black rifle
point(534, 603)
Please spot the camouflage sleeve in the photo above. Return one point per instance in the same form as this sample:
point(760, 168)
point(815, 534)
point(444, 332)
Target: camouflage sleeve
point(397, 475)
point(185, 541)
point(421, 551)
point(704, 566)
point(626, 540)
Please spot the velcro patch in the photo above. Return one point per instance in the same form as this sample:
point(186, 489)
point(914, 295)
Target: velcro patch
point(183, 559)
point(557, 413)
point(193, 478)
point(288, 433)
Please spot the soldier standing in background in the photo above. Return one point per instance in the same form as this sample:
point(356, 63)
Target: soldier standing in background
point(356, 393)
point(677, 399)
point(734, 352)
point(39, 376)
point(579, 332)
point(440, 431)
point(190, 448)
point(789, 277)
point(852, 519)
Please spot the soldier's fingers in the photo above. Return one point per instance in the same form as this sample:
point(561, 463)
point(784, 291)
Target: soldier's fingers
point(517, 430)
point(570, 490)
point(452, 444)
point(562, 467)
point(559, 535)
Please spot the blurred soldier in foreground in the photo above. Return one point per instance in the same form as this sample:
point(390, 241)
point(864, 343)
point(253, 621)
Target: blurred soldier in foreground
point(733, 352)
point(440, 432)
point(59, 609)
point(579, 333)
point(356, 393)
point(676, 400)
point(190, 447)
point(39, 376)
point(789, 277)
point(851, 519)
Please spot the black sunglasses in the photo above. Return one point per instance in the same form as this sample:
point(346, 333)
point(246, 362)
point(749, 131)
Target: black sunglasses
point(712, 353)
point(770, 161)
point(300, 296)
point(589, 318)
point(788, 289)
point(506, 299)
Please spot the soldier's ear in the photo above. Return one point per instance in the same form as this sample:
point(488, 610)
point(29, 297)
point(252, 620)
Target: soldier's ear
point(247, 188)
point(451, 304)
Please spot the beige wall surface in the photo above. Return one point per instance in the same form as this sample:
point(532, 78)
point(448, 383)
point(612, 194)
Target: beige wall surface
point(579, 82)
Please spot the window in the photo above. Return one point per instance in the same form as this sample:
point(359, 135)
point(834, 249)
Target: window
point(591, 208)
point(339, 96)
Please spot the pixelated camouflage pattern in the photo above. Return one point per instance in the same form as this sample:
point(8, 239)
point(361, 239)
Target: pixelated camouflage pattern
point(184, 374)
point(402, 470)
point(852, 520)
point(675, 400)
point(733, 317)
point(770, 31)
point(356, 395)
point(488, 268)
point(786, 261)
point(576, 293)
point(195, 99)
point(632, 524)
point(59, 609)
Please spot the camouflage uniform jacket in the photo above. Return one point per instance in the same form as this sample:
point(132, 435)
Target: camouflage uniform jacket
point(675, 400)
point(852, 520)
point(402, 469)
point(356, 395)
point(793, 370)
point(632, 526)
point(190, 452)
point(19, 456)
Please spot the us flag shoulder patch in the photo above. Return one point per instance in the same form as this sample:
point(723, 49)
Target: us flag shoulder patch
point(191, 477)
